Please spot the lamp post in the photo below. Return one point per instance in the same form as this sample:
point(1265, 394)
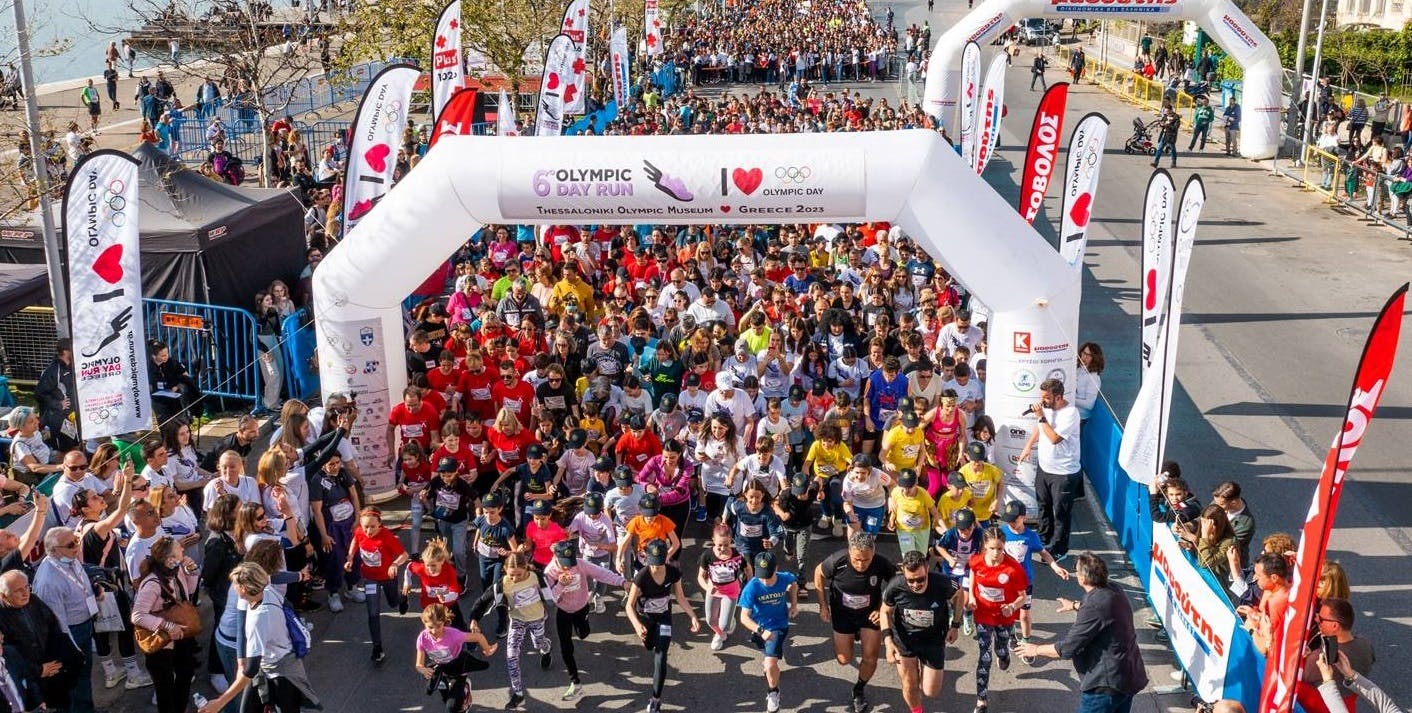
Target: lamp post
point(1298, 84)
point(1314, 73)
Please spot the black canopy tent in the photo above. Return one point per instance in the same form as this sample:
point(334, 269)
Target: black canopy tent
point(23, 286)
point(202, 241)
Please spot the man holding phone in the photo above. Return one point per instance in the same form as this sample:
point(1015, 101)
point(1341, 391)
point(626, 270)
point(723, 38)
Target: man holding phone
point(1335, 622)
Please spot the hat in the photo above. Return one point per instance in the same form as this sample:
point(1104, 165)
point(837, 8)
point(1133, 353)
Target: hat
point(909, 419)
point(819, 387)
point(577, 438)
point(603, 464)
point(566, 552)
point(623, 476)
point(862, 460)
point(907, 478)
point(976, 451)
point(799, 484)
point(447, 464)
point(1014, 510)
point(636, 422)
point(764, 563)
point(656, 552)
point(741, 347)
point(492, 500)
point(965, 518)
point(649, 505)
point(955, 479)
point(669, 400)
point(541, 507)
point(796, 392)
point(693, 379)
point(695, 415)
point(534, 451)
point(725, 380)
point(592, 503)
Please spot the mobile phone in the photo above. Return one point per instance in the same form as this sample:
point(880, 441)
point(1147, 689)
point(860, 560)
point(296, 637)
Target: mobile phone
point(1330, 650)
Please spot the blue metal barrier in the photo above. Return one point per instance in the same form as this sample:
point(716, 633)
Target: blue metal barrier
point(301, 378)
point(217, 344)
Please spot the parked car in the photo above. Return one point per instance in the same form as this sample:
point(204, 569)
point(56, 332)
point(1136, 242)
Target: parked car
point(1036, 31)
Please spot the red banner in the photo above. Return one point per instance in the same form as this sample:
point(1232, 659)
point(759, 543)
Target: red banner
point(457, 116)
point(1287, 649)
point(1043, 153)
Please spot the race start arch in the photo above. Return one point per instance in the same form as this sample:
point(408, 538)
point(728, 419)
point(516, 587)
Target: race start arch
point(911, 178)
point(1232, 30)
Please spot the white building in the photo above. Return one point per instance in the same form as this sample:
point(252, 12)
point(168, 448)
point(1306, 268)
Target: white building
point(1390, 14)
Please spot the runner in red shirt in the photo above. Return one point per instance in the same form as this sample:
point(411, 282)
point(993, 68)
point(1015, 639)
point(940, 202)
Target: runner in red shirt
point(454, 446)
point(437, 580)
point(378, 554)
point(996, 596)
point(541, 533)
point(508, 441)
point(412, 420)
point(511, 392)
point(477, 401)
point(448, 380)
point(637, 445)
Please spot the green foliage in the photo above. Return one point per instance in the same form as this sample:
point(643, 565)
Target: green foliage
point(389, 28)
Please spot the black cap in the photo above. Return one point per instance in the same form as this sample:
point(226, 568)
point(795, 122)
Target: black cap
point(975, 450)
point(669, 400)
point(649, 505)
point(909, 419)
point(636, 422)
point(965, 518)
point(541, 507)
point(656, 552)
point(764, 564)
point(693, 379)
point(695, 415)
point(577, 438)
point(907, 478)
point(796, 392)
point(622, 475)
point(955, 479)
point(447, 464)
point(819, 387)
point(1013, 511)
point(492, 500)
point(862, 460)
point(566, 552)
point(603, 464)
point(534, 451)
point(592, 503)
point(799, 484)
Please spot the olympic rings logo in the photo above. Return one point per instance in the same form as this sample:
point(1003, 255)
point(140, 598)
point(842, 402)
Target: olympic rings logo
point(393, 115)
point(793, 174)
point(101, 415)
point(114, 203)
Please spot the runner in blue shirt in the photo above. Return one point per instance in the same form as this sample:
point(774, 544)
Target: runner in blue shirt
point(1022, 543)
point(956, 547)
point(767, 603)
point(886, 389)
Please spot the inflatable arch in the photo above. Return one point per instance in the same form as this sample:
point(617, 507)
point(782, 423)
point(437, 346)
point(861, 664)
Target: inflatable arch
point(911, 178)
point(1232, 30)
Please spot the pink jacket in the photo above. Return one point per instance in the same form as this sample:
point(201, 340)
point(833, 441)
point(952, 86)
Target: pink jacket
point(573, 596)
point(148, 603)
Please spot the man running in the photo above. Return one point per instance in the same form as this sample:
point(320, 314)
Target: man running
point(916, 608)
point(767, 604)
point(850, 597)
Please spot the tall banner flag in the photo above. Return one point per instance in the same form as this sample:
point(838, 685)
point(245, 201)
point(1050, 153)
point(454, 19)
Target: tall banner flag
point(575, 25)
point(970, 96)
point(105, 297)
point(1156, 264)
point(458, 117)
point(559, 86)
point(652, 27)
point(1043, 151)
point(447, 68)
point(505, 117)
point(987, 130)
point(619, 63)
point(377, 131)
point(1080, 184)
point(1286, 647)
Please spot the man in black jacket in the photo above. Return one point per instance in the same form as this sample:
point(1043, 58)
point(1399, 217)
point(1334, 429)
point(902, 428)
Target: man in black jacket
point(1101, 642)
point(242, 440)
point(40, 658)
point(55, 392)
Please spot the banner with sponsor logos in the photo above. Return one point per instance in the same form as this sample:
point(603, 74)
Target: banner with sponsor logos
point(575, 25)
point(505, 124)
point(377, 132)
point(352, 362)
point(970, 97)
point(1080, 186)
point(1043, 151)
point(1157, 249)
point(457, 117)
point(1026, 348)
point(988, 112)
point(620, 64)
point(559, 86)
point(596, 185)
point(1198, 618)
point(1374, 368)
point(105, 296)
point(652, 28)
point(447, 64)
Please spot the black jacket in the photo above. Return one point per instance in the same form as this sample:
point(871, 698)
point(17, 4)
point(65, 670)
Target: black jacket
point(56, 383)
point(1103, 645)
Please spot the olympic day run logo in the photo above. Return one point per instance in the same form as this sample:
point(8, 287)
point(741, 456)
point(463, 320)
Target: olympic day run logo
point(1113, 6)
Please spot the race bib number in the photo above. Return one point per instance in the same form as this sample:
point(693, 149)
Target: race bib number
point(371, 558)
point(413, 430)
point(513, 404)
point(448, 499)
point(756, 530)
point(856, 601)
point(437, 591)
point(525, 597)
point(341, 510)
point(575, 583)
point(826, 469)
point(480, 394)
point(918, 618)
point(664, 631)
point(990, 594)
point(911, 450)
point(483, 549)
point(912, 522)
point(1017, 549)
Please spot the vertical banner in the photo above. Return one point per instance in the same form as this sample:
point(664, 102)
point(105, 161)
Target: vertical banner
point(558, 88)
point(575, 25)
point(351, 362)
point(458, 117)
point(988, 111)
point(505, 117)
point(1080, 184)
point(1026, 348)
point(970, 95)
point(105, 296)
point(619, 64)
point(1043, 151)
point(1156, 263)
point(652, 27)
point(377, 132)
point(1374, 368)
point(447, 73)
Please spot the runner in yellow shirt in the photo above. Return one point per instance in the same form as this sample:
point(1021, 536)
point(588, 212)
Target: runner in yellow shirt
point(956, 497)
point(912, 513)
point(902, 445)
point(984, 480)
point(828, 458)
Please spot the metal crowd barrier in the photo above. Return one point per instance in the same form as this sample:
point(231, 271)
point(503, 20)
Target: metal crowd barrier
point(217, 344)
point(1331, 178)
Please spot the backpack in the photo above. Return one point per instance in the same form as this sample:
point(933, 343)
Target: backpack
point(298, 633)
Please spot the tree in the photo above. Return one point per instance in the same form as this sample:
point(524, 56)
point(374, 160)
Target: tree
point(388, 29)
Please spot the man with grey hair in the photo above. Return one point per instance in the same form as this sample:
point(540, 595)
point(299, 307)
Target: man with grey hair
point(850, 584)
point(44, 670)
point(1101, 642)
point(61, 583)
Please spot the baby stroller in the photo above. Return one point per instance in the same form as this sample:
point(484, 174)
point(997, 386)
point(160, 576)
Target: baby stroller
point(1141, 140)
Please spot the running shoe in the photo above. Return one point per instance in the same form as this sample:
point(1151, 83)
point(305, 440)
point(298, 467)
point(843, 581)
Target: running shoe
point(717, 642)
point(378, 655)
point(141, 679)
point(1061, 557)
point(981, 707)
point(573, 692)
point(825, 523)
point(772, 702)
point(654, 705)
point(546, 660)
point(598, 606)
point(1004, 662)
point(357, 595)
point(402, 606)
point(838, 529)
point(968, 624)
point(116, 676)
point(516, 700)
point(860, 702)
point(700, 517)
point(335, 603)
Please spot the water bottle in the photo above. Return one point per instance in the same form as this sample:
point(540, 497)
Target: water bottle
point(198, 700)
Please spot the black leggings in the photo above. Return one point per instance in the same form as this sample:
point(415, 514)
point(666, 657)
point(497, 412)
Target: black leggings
point(566, 624)
point(456, 673)
point(659, 645)
point(103, 642)
point(172, 671)
point(678, 514)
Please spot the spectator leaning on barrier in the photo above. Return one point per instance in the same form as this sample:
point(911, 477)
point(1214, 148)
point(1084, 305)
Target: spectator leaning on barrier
point(1335, 626)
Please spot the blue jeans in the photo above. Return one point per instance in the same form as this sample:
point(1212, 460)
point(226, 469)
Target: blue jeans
point(833, 498)
point(389, 589)
point(82, 699)
point(1105, 703)
point(455, 534)
point(228, 662)
point(1163, 147)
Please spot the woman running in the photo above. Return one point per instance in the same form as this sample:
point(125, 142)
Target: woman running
point(946, 426)
point(649, 609)
point(996, 596)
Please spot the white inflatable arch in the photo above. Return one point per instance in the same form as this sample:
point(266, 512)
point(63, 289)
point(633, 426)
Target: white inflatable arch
point(911, 178)
point(1232, 30)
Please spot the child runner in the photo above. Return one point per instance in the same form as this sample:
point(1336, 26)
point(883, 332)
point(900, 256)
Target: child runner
point(911, 512)
point(522, 594)
point(956, 497)
point(998, 591)
point(827, 460)
point(865, 495)
point(416, 474)
point(754, 525)
point(1023, 543)
point(622, 501)
point(597, 540)
point(378, 554)
point(443, 659)
point(955, 548)
point(569, 582)
point(539, 535)
point(437, 581)
point(649, 609)
point(767, 604)
point(649, 525)
point(794, 508)
point(334, 503)
point(494, 540)
point(917, 607)
point(986, 483)
point(448, 500)
point(721, 573)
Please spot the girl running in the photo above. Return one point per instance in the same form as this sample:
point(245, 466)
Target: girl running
point(597, 539)
point(438, 582)
point(754, 525)
point(520, 594)
point(649, 609)
point(723, 569)
point(377, 554)
point(444, 657)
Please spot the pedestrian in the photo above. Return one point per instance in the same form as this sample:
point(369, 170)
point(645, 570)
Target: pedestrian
point(110, 79)
point(378, 555)
point(1077, 62)
point(89, 97)
point(955, 547)
point(768, 602)
point(448, 500)
point(174, 50)
point(795, 510)
point(494, 542)
point(723, 569)
point(1201, 119)
point(850, 583)
point(998, 590)
point(519, 594)
point(162, 607)
point(131, 53)
point(444, 657)
point(920, 615)
point(1168, 123)
point(33, 631)
point(649, 609)
point(1231, 121)
point(571, 580)
point(54, 392)
point(1056, 484)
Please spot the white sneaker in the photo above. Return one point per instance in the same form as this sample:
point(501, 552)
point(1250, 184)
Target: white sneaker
point(116, 676)
point(335, 603)
point(598, 606)
point(825, 523)
point(772, 702)
point(718, 642)
point(138, 680)
point(838, 529)
point(357, 595)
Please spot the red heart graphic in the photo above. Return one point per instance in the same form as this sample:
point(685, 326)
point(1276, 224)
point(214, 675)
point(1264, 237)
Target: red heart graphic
point(747, 181)
point(377, 157)
point(569, 92)
point(1081, 211)
point(360, 209)
point(553, 80)
point(1149, 300)
point(109, 264)
point(725, 209)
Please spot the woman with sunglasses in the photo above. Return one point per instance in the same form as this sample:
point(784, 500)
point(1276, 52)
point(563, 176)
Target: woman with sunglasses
point(96, 525)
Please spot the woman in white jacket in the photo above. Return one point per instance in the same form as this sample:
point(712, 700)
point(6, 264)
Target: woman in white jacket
point(1087, 378)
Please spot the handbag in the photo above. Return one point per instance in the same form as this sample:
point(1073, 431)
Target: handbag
point(177, 611)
